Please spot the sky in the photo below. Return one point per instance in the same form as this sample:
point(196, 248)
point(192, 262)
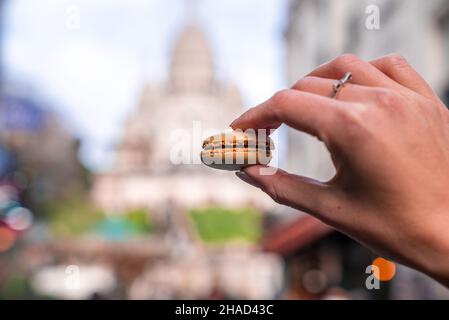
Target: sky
point(89, 59)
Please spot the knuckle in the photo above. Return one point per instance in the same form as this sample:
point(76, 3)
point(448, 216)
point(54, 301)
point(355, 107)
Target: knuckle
point(279, 101)
point(280, 97)
point(345, 60)
point(304, 83)
point(386, 97)
point(354, 119)
point(274, 193)
point(274, 190)
point(351, 117)
point(358, 123)
point(397, 60)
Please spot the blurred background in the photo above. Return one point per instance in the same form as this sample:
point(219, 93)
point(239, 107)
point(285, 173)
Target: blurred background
point(92, 94)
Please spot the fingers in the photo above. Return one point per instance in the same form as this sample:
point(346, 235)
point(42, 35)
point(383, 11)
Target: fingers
point(350, 92)
point(302, 193)
point(363, 73)
point(398, 69)
point(304, 111)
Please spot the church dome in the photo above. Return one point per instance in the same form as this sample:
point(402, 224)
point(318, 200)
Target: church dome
point(192, 67)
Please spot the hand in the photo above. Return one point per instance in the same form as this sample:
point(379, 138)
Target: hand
point(388, 135)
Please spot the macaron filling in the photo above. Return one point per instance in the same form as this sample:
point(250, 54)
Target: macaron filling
point(235, 151)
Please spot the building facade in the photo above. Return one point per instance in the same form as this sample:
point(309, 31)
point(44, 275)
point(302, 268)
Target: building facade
point(158, 169)
point(158, 156)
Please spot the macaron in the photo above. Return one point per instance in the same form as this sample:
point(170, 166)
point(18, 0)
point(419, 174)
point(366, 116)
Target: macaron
point(236, 150)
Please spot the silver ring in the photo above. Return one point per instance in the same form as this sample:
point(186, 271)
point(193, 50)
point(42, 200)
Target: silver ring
point(336, 87)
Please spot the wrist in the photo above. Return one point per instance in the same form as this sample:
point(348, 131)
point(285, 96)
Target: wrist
point(434, 257)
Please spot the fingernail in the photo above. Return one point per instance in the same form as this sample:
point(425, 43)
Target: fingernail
point(243, 176)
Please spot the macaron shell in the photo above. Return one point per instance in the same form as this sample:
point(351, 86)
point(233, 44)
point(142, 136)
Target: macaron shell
point(234, 158)
point(236, 138)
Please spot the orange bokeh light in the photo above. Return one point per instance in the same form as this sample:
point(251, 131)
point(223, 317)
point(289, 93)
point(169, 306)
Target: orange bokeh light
point(387, 269)
point(7, 238)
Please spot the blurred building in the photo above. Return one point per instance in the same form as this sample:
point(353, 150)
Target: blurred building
point(322, 263)
point(318, 31)
point(170, 120)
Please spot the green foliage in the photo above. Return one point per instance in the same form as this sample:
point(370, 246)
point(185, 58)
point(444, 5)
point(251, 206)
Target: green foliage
point(220, 225)
point(141, 220)
point(72, 217)
point(77, 216)
point(15, 287)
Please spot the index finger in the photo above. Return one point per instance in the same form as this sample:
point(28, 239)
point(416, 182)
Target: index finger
point(307, 112)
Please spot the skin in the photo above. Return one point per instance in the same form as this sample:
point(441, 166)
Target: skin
point(388, 135)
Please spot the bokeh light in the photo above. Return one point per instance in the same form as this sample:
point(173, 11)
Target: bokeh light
point(8, 192)
point(7, 205)
point(314, 281)
point(7, 238)
point(19, 218)
point(387, 269)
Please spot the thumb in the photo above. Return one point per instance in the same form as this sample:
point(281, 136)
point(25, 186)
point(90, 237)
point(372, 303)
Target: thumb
point(305, 194)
